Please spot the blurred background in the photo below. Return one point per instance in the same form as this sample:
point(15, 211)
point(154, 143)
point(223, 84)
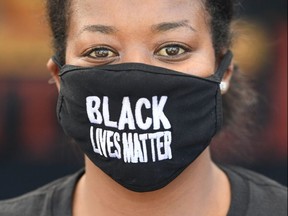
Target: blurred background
point(33, 148)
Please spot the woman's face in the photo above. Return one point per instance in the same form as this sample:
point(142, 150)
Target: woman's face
point(170, 34)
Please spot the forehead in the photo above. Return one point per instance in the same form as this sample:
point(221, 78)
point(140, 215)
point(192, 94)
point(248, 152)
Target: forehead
point(136, 13)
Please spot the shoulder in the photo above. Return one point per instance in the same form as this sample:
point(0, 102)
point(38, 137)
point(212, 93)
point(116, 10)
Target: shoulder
point(43, 200)
point(259, 194)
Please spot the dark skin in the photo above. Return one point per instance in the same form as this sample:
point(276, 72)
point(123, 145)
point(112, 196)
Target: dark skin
point(170, 34)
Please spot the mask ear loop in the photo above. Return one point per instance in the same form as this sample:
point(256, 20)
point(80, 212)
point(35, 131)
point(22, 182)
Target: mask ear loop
point(55, 58)
point(224, 64)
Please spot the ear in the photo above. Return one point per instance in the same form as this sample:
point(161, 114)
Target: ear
point(54, 71)
point(225, 83)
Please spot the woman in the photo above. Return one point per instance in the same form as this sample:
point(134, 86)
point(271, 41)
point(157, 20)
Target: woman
point(140, 85)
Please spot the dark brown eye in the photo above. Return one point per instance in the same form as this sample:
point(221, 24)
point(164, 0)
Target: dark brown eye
point(101, 52)
point(171, 50)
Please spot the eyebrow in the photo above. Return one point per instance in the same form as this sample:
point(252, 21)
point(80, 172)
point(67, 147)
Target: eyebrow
point(167, 26)
point(104, 29)
point(161, 27)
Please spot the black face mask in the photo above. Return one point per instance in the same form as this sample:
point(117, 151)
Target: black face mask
point(142, 125)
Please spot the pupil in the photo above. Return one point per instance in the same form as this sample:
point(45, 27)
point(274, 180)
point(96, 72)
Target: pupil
point(172, 50)
point(102, 53)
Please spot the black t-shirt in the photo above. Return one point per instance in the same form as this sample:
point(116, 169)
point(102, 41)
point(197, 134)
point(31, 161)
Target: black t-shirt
point(252, 195)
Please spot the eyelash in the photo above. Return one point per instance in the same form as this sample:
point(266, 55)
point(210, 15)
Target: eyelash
point(185, 50)
point(100, 48)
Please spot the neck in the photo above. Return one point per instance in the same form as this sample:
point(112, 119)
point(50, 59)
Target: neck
point(201, 189)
